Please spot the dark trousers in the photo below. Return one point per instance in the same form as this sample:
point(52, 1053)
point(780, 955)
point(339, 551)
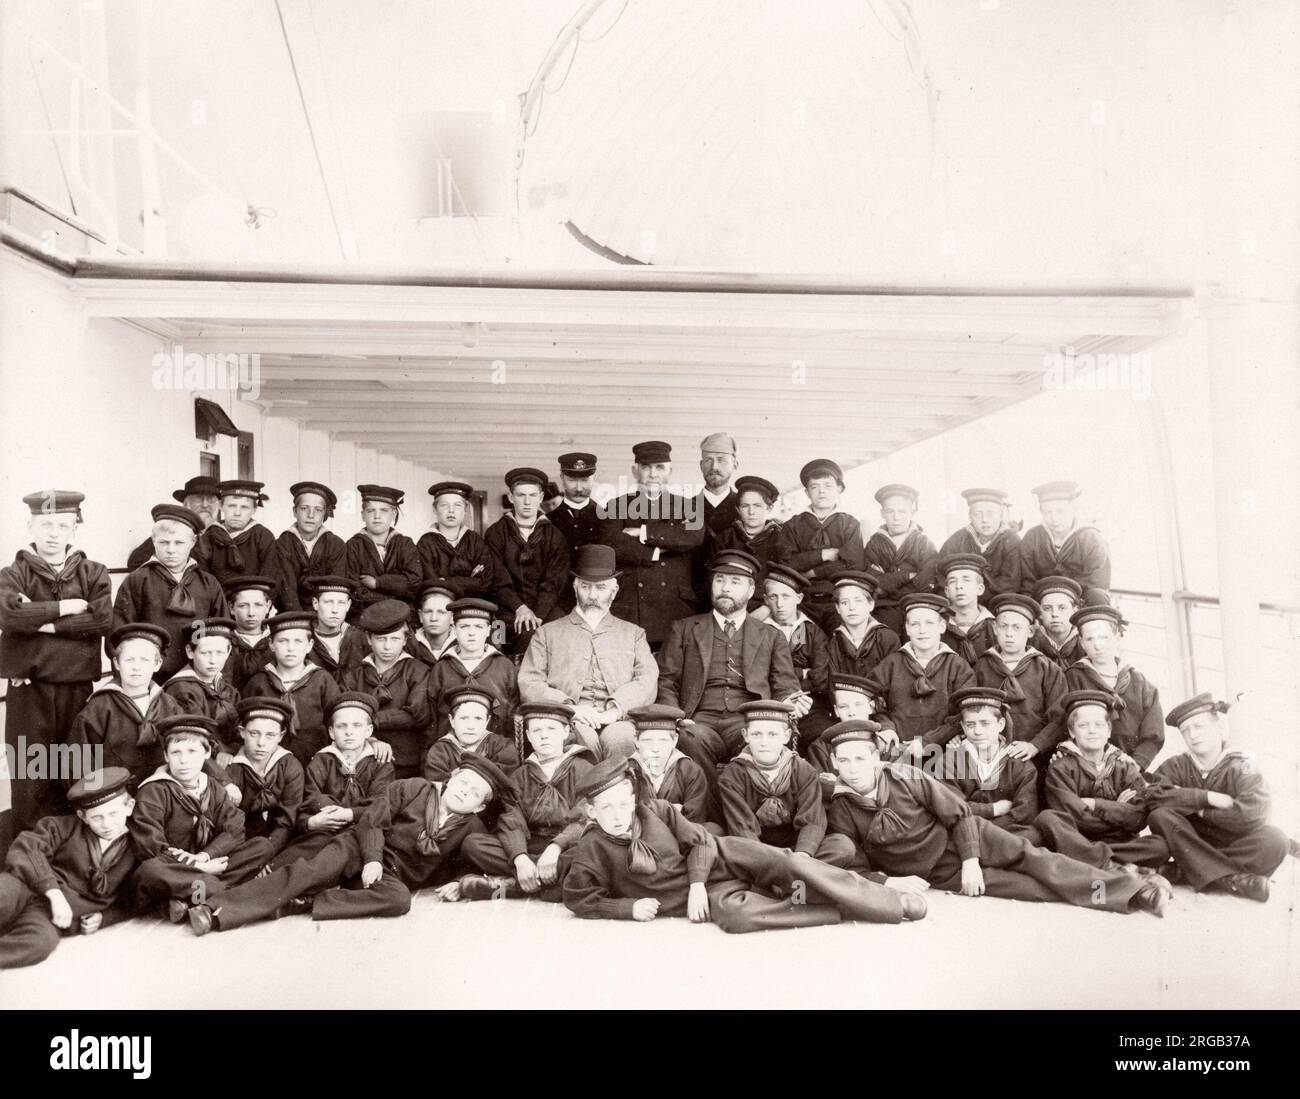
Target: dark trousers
point(834, 850)
point(1060, 832)
point(766, 888)
point(716, 737)
point(41, 714)
point(485, 852)
point(331, 877)
point(303, 846)
point(27, 934)
point(1015, 869)
point(1205, 854)
point(164, 878)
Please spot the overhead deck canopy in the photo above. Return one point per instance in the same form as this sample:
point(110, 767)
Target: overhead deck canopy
point(474, 372)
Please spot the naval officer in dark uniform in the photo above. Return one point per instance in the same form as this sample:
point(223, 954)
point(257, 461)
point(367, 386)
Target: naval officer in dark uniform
point(654, 533)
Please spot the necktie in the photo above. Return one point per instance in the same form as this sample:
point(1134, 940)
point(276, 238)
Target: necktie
point(641, 857)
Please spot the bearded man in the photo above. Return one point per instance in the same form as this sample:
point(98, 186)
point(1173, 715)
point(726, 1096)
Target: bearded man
point(712, 664)
point(599, 664)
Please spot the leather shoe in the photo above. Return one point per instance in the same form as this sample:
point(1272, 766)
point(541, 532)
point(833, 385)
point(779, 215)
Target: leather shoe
point(201, 919)
point(914, 906)
point(487, 887)
point(177, 911)
point(1251, 886)
point(295, 907)
point(1154, 896)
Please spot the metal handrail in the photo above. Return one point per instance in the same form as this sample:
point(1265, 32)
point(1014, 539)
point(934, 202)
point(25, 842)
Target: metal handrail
point(1202, 600)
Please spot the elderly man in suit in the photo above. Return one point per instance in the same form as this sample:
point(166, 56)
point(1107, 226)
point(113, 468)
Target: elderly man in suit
point(712, 664)
point(599, 664)
point(654, 532)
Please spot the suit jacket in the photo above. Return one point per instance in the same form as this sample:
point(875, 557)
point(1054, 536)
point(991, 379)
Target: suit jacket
point(684, 661)
point(556, 665)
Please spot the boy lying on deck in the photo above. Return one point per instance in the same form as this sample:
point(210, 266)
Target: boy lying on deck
point(640, 859)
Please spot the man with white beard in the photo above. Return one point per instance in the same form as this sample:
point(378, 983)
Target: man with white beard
point(599, 664)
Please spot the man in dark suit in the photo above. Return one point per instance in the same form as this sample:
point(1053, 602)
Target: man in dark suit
point(577, 516)
point(653, 532)
point(712, 664)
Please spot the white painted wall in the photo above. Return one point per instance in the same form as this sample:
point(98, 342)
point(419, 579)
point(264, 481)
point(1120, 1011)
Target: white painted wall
point(81, 411)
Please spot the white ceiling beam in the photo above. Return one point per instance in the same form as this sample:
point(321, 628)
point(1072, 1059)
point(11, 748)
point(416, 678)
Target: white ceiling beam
point(626, 309)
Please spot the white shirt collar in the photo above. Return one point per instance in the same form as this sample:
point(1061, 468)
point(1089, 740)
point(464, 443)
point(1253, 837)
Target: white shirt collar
point(789, 630)
point(738, 618)
point(421, 638)
point(715, 498)
point(944, 647)
point(271, 760)
point(332, 750)
point(575, 505)
point(369, 658)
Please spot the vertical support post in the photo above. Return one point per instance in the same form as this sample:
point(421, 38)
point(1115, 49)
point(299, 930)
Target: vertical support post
point(1169, 555)
point(1236, 373)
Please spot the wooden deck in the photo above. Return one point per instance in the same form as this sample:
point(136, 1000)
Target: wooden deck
point(1209, 952)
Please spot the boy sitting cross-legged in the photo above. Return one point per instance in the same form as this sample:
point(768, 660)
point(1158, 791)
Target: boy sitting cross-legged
point(641, 859)
point(341, 780)
point(768, 793)
point(77, 864)
point(980, 767)
point(1210, 805)
point(669, 774)
point(905, 822)
point(401, 842)
point(541, 819)
point(188, 832)
point(1096, 795)
point(270, 780)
